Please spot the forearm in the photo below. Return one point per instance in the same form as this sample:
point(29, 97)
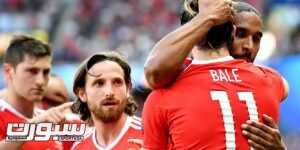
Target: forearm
point(166, 58)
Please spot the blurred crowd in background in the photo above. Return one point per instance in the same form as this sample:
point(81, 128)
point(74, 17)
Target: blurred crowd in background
point(78, 28)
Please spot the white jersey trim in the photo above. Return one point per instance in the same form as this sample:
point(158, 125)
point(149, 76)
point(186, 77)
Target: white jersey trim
point(222, 59)
point(137, 118)
point(5, 105)
point(137, 127)
point(202, 62)
point(119, 137)
point(136, 123)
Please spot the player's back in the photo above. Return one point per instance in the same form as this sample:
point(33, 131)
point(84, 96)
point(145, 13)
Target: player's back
point(208, 103)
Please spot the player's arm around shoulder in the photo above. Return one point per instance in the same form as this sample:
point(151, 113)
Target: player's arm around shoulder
point(264, 135)
point(165, 61)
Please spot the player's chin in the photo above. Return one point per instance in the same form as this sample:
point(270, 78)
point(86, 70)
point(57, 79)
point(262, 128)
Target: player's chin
point(37, 98)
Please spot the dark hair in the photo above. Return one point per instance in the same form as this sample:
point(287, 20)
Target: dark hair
point(190, 9)
point(22, 45)
point(220, 34)
point(80, 80)
point(244, 7)
point(217, 36)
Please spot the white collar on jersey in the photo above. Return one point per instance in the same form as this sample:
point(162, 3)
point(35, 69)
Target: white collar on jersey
point(119, 137)
point(222, 59)
point(5, 105)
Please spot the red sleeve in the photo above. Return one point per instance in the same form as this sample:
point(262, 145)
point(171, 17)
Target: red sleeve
point(281, 88)
point(278, 82)
point(155, 123)
point(2, 128)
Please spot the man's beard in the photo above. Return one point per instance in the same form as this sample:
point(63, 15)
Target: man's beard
point(108, 115)
point(245, 56)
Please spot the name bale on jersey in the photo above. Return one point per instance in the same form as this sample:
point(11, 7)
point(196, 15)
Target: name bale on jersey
point(225, 75)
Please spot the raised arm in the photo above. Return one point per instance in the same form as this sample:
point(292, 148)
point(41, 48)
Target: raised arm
point(165, 61)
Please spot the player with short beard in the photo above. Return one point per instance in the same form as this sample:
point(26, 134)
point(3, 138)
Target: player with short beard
point(102, 85)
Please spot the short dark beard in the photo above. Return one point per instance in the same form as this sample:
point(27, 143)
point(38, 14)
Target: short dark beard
point(111, 116)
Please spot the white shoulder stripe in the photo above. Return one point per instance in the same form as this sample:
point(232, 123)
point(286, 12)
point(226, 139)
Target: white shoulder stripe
point(6, 106)
point(135, 122)
point(137, 118)
point(135, 126)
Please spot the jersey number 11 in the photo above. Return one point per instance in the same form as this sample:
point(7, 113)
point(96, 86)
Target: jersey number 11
point(223, 99)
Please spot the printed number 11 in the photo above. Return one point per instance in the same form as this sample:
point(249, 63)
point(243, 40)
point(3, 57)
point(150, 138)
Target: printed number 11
point(223, 99)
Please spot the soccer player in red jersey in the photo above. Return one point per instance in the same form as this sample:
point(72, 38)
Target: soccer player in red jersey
point(210, 99)
point(27, 64)
point(55, 95)
point(102, 85)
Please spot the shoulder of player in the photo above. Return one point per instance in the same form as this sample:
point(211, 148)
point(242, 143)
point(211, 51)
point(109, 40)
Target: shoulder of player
point(135, 122)
point(158, 100)
point(9, 110)
point(6, 111)
point(267, 69)
point(86, 141)
point(155, 96)
point(3, 105)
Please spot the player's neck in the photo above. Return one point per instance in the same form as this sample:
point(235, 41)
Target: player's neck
point(22, 105)
point(210, 54)
point(106, 133)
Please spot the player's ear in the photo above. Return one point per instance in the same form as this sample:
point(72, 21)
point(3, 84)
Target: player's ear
point(82, 95)
point(8, 70)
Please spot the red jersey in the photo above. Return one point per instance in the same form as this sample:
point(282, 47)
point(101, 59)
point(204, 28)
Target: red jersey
point(71, 118)
point(207, 104)
point(132, 130)
point(10, 115)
